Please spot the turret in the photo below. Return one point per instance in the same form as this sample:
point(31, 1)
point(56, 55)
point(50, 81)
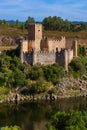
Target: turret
point(75, 54)
point(21, 50)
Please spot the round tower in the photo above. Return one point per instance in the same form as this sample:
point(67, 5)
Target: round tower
point(21, 50)
point(75, 54)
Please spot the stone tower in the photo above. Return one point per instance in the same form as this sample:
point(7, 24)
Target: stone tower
point(34, 36)
point(75, 48)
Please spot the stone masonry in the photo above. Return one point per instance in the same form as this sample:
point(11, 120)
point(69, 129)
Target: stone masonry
point(46, 51)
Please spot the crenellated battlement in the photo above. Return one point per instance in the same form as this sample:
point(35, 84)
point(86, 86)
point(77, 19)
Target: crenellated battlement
point(46, 51)
point(58, 40)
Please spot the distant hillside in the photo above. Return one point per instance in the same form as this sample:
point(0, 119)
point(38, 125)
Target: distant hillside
point(78, 22)
point(13, 21)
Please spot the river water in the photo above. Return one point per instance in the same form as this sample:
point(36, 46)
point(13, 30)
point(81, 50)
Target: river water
point(35, 115)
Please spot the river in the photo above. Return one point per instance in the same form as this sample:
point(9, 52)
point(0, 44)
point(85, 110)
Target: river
point(35, 115)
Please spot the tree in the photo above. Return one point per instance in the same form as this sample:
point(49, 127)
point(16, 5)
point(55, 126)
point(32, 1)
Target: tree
point(29, 20)
point(4, 23)
point(72, 120)
point(42, 85)
point(36, 72)
point(53, 73)
point(77, 66)
point(67, 25)
point(81, 50)
point(16, 24)
point(20, 78)
point(11, 71)
point(56, 23)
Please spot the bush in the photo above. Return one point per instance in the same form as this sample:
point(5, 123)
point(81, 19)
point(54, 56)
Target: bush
point(11, 128)
point(74, 120)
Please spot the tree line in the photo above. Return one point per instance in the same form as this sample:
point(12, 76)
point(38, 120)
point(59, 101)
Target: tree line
point(49, 23)
point(72, 120)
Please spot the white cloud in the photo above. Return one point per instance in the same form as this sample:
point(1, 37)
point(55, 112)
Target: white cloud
point(21, 9)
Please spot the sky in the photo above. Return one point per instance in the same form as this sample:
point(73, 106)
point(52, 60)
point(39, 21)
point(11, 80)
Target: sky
point(73, 10)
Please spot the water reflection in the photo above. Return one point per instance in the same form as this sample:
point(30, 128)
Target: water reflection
point(34, 115)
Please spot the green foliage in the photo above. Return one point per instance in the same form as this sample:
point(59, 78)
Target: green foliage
point(81, 50)
point(11, 71)
point(56, 23)
point(78, 66)
point(17, 28)
point(29, 20)
point(14, 74)
point(42, 85)
point(50, 127)
point(50, 73)
point(4, 90)
point(4, 23)
point(68, 121)
point(11, 128)
point(20, 78)
point(36, 72)
point(53, 73)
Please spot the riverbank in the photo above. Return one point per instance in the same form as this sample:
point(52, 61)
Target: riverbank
point(66, 87)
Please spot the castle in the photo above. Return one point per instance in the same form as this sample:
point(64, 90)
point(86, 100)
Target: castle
point(38, 49)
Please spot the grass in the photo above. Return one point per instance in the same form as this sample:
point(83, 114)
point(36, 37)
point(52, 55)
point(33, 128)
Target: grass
point(12, 32)
point(16, 32)
point(11, 128)
point(55, 34)
point(72, 92)
point(4, 90)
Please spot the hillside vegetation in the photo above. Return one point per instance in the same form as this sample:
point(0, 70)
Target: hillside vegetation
point(69, 34)
point(17, 32)
point(52, 27)
point(13, 32)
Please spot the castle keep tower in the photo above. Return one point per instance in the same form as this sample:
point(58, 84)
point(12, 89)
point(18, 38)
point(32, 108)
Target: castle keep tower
point(34, 36)
point(44, 50)
point(75, 48)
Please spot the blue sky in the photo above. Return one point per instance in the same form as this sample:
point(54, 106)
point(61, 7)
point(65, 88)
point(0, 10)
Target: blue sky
point(73, 10)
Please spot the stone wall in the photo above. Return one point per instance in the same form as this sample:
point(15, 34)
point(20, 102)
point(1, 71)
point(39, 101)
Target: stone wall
point(57, 44)
point(44, 45)
point(45, 51)
point(75, 53)
point(50, 45)
point(33, 57)
point(64, 57)
point(69, 43)
point(45, 58)
point(31, 32)
point(31, 45)
point(60, 58)
point(38, 31)
point(34, 34)
point(28, 57)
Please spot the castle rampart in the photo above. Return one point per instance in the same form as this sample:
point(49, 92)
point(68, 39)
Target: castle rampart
point(57, 44)
point(45, 51)
point(44, 57)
